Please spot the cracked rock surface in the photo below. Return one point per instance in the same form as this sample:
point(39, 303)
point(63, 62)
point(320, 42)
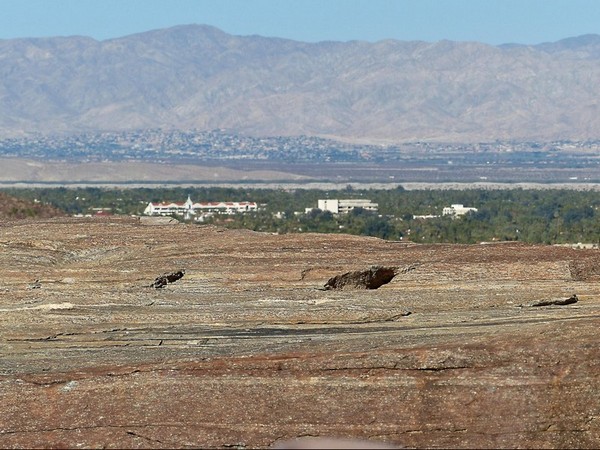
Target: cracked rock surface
point(247, 350)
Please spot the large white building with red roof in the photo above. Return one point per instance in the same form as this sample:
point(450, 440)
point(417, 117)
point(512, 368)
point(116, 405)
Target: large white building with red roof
point(189, 209)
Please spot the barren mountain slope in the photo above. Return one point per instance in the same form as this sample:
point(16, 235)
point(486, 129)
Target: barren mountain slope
point(389, 91)
point(247, 350)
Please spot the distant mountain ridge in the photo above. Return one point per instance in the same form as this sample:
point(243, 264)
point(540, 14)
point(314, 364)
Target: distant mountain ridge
point(198, 77)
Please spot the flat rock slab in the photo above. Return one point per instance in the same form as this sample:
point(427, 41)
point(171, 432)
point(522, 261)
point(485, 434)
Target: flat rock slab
point(248, 351)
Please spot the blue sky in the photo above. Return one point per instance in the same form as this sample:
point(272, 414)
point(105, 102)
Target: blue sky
point(490, 21)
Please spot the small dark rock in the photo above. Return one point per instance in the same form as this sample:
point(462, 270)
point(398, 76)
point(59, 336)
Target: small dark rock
point(35, 285)
point(163, 280)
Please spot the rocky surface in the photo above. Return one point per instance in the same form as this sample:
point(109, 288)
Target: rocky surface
point(247, 350)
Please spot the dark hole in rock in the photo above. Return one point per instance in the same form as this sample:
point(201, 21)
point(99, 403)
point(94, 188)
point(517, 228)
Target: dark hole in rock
point(372, 278)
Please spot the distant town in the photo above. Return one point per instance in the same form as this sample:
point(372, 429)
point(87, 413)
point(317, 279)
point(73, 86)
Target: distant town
point(159, 145)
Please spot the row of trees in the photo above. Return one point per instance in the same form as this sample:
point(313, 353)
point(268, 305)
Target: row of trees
point(534, 216)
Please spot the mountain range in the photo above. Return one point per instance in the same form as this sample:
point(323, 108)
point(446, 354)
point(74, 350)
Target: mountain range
point(199, 77)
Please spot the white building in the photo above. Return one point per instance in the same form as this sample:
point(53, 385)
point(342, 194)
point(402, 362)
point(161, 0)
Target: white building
point(188, 208)
point(457, 210)
point(345, 206)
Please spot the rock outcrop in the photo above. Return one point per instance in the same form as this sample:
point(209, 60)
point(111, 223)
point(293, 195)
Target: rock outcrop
point(12, 208)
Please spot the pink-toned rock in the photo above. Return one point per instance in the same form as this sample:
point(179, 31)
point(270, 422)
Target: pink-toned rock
point(247, 350)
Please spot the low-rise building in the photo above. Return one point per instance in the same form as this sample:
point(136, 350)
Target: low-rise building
point(425, 216)
point(188, 209)
point(457, 210)
point(346, 205)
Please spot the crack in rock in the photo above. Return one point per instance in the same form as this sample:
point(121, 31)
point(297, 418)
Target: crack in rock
point(560, 302)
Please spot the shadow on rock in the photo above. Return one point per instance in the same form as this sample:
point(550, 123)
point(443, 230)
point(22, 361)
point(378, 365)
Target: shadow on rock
point(372, 278)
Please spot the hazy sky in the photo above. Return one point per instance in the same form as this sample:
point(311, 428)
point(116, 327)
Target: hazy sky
point(490, 21)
